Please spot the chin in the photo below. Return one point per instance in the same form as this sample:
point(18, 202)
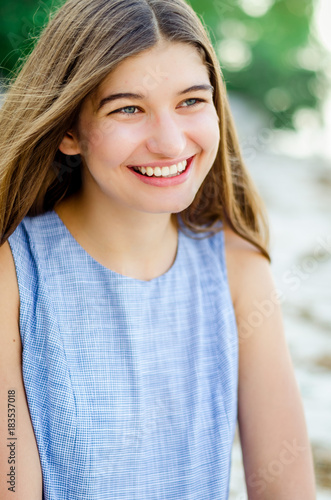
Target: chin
point(183, 204)
point(176, 207)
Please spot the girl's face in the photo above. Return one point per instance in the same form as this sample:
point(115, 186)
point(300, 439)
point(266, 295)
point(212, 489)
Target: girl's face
point(150, 134)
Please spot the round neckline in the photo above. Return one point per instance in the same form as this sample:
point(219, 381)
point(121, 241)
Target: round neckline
point(117, 275)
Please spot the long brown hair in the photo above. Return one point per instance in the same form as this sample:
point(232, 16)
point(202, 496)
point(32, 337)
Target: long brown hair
point(81, 45)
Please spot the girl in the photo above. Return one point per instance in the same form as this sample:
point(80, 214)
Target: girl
point(133, 259)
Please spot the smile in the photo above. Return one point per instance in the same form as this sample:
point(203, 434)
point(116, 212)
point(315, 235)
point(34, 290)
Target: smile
point(165, 175)
point(172, 171)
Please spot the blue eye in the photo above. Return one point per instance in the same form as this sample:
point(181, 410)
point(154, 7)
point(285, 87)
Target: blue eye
point(192, 102)
point(133, 110)
point(127, 110)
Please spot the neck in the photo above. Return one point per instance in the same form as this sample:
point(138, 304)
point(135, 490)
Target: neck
point(139, 245)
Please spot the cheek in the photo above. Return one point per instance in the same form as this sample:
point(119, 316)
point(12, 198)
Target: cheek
point(207, 132)
point(109, 142)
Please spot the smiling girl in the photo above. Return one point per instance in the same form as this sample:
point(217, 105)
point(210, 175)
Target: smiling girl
point(134, 252)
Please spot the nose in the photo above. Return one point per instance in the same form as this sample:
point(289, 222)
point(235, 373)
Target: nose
point(167, 137)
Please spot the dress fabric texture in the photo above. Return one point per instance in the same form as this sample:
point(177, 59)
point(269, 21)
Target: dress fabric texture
point(131, 385)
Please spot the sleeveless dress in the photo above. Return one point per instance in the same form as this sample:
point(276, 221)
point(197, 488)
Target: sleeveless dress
point(131, 385)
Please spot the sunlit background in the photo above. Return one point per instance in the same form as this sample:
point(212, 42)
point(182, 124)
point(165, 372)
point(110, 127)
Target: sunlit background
point(276, 60)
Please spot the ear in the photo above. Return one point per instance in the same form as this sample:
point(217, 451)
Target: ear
point(70, 144)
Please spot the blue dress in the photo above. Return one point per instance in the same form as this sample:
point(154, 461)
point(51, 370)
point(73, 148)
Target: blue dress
point(131, 385)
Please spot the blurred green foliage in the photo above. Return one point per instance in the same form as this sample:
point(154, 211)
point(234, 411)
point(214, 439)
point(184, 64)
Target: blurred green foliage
point(20, 23)
point(267, 51)
point(265, 47)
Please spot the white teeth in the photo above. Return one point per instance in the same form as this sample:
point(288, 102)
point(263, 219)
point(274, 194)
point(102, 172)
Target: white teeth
point(182, 166)
point(163, 171)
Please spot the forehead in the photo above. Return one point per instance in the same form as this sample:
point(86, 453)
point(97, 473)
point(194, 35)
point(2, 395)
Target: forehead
point(167, 63)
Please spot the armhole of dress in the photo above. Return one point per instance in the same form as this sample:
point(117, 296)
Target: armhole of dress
point(223, 256)
point(15, 249)
point(224, 264)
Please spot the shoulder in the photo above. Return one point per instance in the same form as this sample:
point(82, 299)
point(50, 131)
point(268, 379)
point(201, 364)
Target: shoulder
point(31, 241)
point(270, 414)
point(249, 272)
point(29, 481)
point(9, 306)
point(10, 343)
point(9, 294)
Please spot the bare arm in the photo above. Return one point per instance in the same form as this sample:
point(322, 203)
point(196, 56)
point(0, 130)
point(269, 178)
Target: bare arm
point(276, 451)
point(20, 471)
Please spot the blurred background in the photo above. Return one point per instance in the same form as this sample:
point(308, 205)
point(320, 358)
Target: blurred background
point(276, 60)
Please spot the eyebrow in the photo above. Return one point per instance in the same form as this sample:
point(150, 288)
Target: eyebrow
point(130, 95)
